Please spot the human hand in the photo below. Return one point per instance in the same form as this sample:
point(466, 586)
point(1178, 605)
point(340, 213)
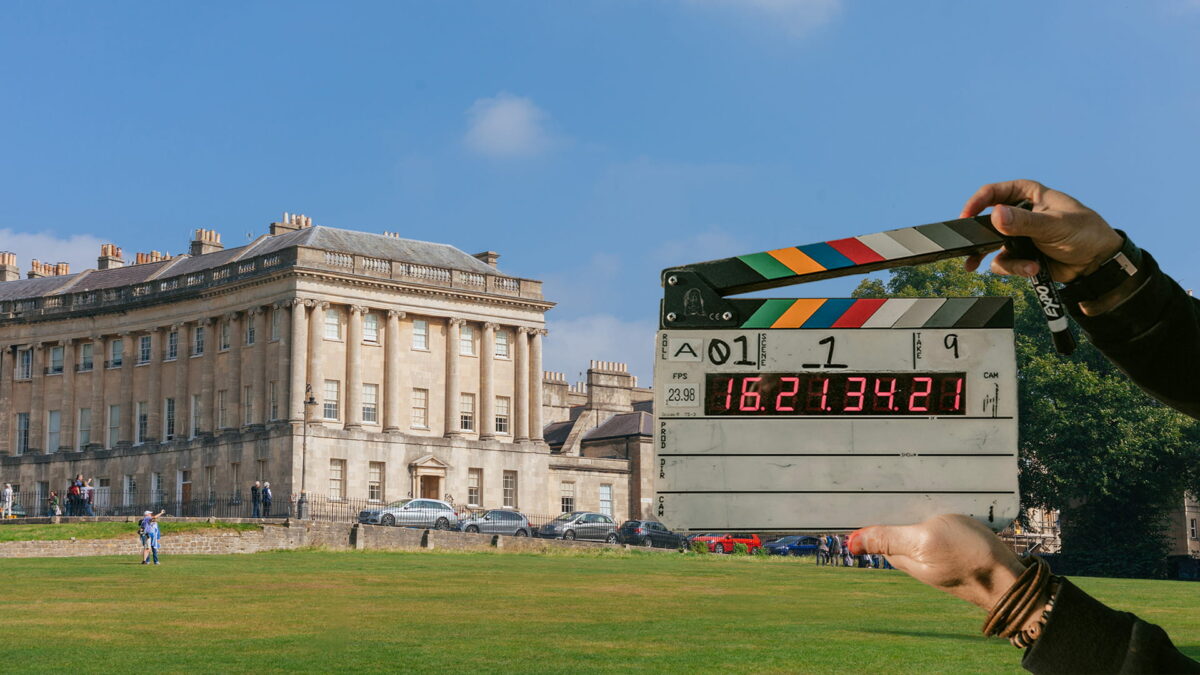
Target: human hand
point(952, 553)
point(1074, 238)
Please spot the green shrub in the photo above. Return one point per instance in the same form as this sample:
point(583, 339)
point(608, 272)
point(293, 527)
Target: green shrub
point(699, 547)
point(741, 549)
point(761, 551)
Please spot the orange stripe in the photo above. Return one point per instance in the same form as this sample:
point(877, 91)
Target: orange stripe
point(798, 313)
point(796, 260)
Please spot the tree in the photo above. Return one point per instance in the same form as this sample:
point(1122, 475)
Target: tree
point(1093, 446)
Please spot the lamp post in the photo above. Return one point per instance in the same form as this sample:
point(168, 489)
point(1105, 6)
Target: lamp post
point(302, 502)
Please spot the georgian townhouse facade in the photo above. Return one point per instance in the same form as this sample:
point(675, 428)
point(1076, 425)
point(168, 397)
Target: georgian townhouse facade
point(418, 368)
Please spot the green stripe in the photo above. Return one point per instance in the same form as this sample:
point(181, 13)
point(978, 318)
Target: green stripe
point(766, 315)
point(767, 266)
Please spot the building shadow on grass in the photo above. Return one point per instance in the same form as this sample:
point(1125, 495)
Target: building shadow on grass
point(927, 634)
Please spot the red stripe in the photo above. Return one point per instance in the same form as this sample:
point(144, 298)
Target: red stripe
point(855, 250)
point(859, 312)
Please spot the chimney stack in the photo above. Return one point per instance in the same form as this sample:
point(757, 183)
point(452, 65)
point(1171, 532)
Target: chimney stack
point(489, 257)
point(8, 266)
point(290, 223)
point(37, 269)
point(152, 256)
point(110, 257)
point(206, 241)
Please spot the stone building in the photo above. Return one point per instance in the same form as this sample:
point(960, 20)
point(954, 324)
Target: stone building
point(418, 367)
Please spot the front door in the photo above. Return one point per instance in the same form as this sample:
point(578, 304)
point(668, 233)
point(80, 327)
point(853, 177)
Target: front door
point(185, 498)
point(429, 487)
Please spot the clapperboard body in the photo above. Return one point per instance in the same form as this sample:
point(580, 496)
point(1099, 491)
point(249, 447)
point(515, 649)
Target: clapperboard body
point(777, 415)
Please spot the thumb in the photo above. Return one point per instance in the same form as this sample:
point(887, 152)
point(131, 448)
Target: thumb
point(874, 539)
point(1015, 222)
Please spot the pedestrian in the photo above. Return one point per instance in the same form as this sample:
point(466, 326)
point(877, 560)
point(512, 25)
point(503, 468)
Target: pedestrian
point(835, 550)
point(266, 500)
point(847, 557)
point(88, 492)
point(7, 502)
point(822, 550)
point(148, 531)
point(75, 497)
point(54, 506)
point(256, 500)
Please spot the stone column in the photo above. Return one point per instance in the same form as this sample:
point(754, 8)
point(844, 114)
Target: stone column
point(37, 403)
point(391, 375)
point(521, 393)
point(126, 400)
point(99, 402)
point(453, 331)
point(262, 336)
point(67, 405)
point(297, 359)
point(487, 396)
point(7, 414)
point(233, 399)
point(535, 384)
point(183, 401)
point(208, 376)
point(353, 414)
point(316, 340)
point(154, 395)
point(283, 364)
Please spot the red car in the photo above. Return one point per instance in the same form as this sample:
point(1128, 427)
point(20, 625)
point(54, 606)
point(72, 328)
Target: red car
point(724, 542)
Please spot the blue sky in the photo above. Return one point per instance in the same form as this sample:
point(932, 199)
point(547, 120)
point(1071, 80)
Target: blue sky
point(590, 143)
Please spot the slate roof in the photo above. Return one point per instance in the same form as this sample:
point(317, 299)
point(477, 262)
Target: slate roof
point(319, 237)
point(623, 424)
point(556, 433)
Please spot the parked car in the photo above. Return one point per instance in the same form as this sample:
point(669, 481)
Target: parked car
point(723, 542)
point(428, 513)
point(581, 525)
point(497, 521)
point(649, 533)
point(793, 545)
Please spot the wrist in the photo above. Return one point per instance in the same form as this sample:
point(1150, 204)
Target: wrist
point(1110, 245)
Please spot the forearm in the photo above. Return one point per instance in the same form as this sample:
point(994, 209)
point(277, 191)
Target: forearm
point(1151, 330)
point(1082, 635)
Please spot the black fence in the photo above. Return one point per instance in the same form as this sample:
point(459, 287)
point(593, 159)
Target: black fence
point(108, 502)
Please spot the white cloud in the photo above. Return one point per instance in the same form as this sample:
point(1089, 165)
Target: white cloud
point(506, 126)
point(797, 17)
point(603, 337)
point(80, 250)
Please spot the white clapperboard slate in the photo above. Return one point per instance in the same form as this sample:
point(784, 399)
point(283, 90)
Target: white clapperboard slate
point(788, 415)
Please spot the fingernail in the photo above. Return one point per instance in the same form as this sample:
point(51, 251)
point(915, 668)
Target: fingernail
point(1005, 214)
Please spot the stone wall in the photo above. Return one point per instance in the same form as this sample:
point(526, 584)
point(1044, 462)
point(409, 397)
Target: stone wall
point(292, 535)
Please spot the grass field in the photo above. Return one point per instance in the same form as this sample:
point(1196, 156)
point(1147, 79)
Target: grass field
point(462, 612)
point(63, 531)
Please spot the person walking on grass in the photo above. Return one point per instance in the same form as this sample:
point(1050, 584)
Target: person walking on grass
point(148, 531)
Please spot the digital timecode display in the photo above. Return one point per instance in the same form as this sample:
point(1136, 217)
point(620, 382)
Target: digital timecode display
point(867, 394)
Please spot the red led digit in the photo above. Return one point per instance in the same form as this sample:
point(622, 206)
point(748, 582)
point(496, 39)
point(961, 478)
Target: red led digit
point(818, 394)
point(918, 401)
point(951, 399)
point(729, 395)
point(885, 388)
point(795, 389)
point(862, 389)
point(749, 399)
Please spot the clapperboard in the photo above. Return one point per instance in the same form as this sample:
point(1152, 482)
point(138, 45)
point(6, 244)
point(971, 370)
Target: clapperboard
point(819, 414)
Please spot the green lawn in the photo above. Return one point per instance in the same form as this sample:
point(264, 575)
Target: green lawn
point(105, 530)
point(462, 613)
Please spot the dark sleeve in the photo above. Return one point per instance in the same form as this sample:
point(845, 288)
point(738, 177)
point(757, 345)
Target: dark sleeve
point(1085, 636)
point(1154, 338)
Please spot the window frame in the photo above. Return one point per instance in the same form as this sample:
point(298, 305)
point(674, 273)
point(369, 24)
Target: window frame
point(509, 494)
point(475, 487)
point(424, 409)
point(335, 401)
point(502, 340)
point(145, 349)
point(376, 481)
point(466, 341)
point(502, 415)
point(336, 324)
point(370, 325)
point(370, 404)
point(420, 330)
point(172, 346)
point(466, 412)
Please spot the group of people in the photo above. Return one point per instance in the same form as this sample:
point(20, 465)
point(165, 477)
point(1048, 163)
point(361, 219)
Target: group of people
point(833, 550)
point(150, 535)
point(80, 494)
point(260, 499)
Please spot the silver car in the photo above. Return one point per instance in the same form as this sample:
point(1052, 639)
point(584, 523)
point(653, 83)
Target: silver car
point(581, 525)
point(426, 513)
point(497, 521)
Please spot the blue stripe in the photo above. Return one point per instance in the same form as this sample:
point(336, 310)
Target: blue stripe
point(826, 255)
point(831, 311)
